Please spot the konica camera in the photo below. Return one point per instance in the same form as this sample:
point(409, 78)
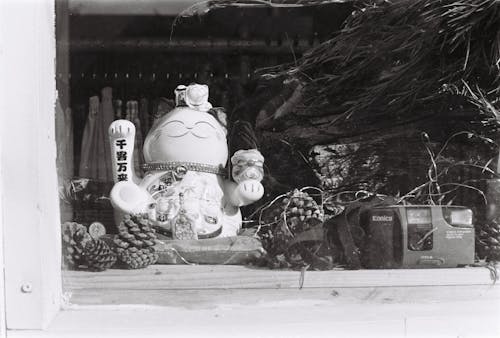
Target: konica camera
point(418, 236)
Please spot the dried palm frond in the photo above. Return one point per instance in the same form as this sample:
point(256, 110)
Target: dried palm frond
point(392, 60)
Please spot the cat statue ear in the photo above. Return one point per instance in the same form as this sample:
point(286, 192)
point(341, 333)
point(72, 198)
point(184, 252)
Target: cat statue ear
point(220, 115)
point(180, 96)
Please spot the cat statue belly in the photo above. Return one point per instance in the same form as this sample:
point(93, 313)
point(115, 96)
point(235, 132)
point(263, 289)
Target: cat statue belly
point(185, 189)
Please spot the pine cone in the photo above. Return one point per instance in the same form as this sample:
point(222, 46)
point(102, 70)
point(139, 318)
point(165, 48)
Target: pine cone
point(293, 214)
point(135, 242)
point(74, 239)
point(298, 210)
point(134, 258)
point(488, 241)
point(99, 255)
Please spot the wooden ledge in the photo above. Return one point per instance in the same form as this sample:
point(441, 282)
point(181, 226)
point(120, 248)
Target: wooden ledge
point(129, 7)
point(207, 286)
point(159, 7)
point(203, 300)
point(184, 277)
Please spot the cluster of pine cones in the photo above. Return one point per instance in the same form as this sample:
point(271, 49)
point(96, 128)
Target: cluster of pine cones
point(282, 221)
point(80, 250)
point(132, 248)
point(488, 241)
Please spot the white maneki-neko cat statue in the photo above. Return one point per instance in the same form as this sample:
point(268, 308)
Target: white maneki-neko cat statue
point(185, 190)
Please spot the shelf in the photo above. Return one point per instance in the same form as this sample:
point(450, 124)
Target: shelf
point(193, 46)
point(181, 277)
point(167, 7)
point(129, 7)
point(173, 284)
point(239, 301)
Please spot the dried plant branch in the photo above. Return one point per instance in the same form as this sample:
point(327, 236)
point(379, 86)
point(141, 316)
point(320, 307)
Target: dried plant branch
point(392, 59)
point(441, 166)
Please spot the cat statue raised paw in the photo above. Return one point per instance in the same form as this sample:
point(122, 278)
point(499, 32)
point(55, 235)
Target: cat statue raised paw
point(185, 190)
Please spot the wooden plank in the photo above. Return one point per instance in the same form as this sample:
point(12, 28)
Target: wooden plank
point(28, 160)
point(130, 7)
point(64, 120)
point(180, 277)
point(294, 317)
point(204, 299)
point(62, 52)
point(463, 326)
point(155, 7)
point(3, 325)
point(177, 45)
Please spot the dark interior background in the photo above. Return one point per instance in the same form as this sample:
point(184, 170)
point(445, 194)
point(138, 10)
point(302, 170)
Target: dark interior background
point(148, 56)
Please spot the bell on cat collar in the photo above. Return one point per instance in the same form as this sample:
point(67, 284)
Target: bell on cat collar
point(180, 171)
point(180, 96)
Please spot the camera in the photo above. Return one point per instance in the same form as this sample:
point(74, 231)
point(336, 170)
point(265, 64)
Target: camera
point(418, 236)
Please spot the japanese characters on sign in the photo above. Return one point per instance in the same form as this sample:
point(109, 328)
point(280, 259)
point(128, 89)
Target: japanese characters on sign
point(121, 160)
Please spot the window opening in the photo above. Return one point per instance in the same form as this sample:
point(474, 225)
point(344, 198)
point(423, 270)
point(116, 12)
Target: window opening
point(139, 68)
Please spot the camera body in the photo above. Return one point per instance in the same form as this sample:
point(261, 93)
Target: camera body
point(418, 236)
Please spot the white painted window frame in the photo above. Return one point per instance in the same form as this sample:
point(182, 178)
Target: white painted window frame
point(30, 274)
point(29, 205)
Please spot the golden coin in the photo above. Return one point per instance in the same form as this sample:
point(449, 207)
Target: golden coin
point(97, 230)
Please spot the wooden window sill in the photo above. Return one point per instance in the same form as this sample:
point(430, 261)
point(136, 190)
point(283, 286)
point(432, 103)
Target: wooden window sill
point(170, 285)
point(201, 286)
point(234, 301)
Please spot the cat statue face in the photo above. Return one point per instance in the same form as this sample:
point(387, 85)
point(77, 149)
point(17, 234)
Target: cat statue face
point(187, 135)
